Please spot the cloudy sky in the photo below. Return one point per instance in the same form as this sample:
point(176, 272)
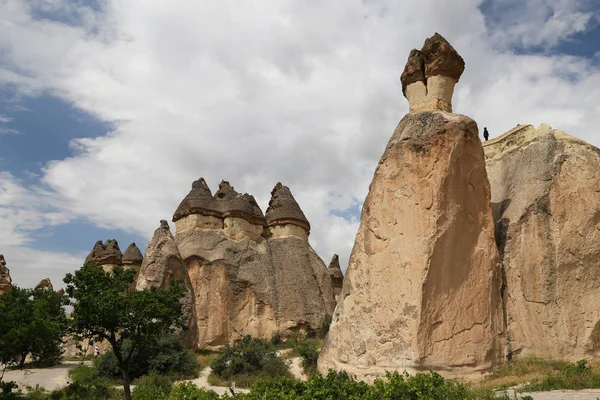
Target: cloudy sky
point(110, 109)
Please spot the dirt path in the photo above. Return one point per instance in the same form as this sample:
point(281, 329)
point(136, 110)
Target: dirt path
point(48, 378)
point(202, 382)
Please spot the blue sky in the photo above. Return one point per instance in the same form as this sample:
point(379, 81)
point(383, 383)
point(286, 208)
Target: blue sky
point(109, 110)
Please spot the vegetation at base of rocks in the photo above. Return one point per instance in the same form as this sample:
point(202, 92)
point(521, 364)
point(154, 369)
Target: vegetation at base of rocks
point(166, 355)
point(529, 374)
point(105, 309)
point(86, 384)
point(246, 361)
point(573, 376)
point(205, 357)
point(323, 329)
point(33, 324)
point(309, 352)
point(189, 391)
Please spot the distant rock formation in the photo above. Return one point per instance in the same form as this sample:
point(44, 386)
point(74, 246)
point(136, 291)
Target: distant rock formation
point(250, 274)
point(45, 284)
point(546, 204)
point(430, 75)
point(132, 257)
point(5, 280)
point(422, 290)
point(337, 277)
point(107, 254)
point(162, 264)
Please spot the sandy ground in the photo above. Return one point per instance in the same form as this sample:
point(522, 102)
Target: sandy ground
point(48, 378)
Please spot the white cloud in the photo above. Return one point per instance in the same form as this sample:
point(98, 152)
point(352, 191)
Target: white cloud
point(255, 93)
point(4, 118)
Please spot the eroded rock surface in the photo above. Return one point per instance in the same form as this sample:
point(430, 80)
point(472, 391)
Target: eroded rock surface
point(45, 284)
point(163, 264)
point(132, 256)
point(5, 280)
point(546, 204)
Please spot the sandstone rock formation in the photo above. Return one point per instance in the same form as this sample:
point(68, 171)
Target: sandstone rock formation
point(337, 277)
point(163, 264)
point(5, 280)
point(107, 254)
point(132, 258)
point(250, 274)
point(422, 290)
point(430, 75)
point(45, 284)
point(546, 204)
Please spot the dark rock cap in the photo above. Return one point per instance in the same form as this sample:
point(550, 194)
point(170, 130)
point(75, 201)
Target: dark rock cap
point(234, 204)
point(441, 58)
point(198, 201)
point(437, 57)
point(45, 284)
point(283, 209)
point(107, 253)
point(335, 271)
point(132, 255)
point(414, 70)
point(2, 261)
point(225, 203)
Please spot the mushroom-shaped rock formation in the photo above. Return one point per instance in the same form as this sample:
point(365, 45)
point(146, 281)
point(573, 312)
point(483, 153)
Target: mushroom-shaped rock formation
point(284, 215)
point(242, 215)
point(163, 264)
point(423, 286)
point(132, 256)
point(430, 75)
point(246, 281)
point(546, 204)
point(337, 277)
point(5, 280)
point(45, 284)
point(106, 254)
point(198, 209)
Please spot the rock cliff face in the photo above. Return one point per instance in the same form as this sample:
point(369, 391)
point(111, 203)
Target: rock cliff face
point(163, 264)
point(546, 204)
point(5, 280)
point(422, 290)
point(250, 274)
point(107, 254)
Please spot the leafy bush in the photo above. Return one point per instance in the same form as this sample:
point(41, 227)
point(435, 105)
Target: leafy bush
point(152, 387)
point(189, 391)
point(86, 384)
point(249, 357)
point(323, 329)
point(310, 355)
point(165, 356)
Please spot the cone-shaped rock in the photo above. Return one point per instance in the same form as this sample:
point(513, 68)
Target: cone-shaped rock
point(283, 209)
point(304, 290)
point(430, 75)
point(132, 255)
point(45, 284)
point(337, 277)
point(234, 204)
point(107, 253)
point(422, 290)
point(162, 264)
point(5, 280)
point(198, 201)
point(546, 204)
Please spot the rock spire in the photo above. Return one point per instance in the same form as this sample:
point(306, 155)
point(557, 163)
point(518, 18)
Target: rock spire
point(284, 209)
point(5, 280)
point(337, 277)
point(107, 253)
point(132, 256)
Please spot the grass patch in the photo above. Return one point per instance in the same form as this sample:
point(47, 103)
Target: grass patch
point(205, 357)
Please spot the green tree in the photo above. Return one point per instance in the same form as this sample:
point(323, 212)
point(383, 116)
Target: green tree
point(104, 309)
point(33, 323)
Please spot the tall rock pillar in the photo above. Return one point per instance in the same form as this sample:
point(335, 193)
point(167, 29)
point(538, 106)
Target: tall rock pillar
point(5, 280)
point(422, 290)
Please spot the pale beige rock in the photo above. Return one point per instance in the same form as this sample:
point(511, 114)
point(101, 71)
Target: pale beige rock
point(422, 290)
point(238, 228)
point(288, 230)
point(5, 280)
point(546, 204)
point(196, 222)
point(163, 264)
point(337, 277)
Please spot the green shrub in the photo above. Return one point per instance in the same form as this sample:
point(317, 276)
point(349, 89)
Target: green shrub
point(152, 387)
point(86, 384)
point(572, 376)
point(249, 357)
point(165, 356)
point(310, 355)
point(189, 391)
point(323, 329)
